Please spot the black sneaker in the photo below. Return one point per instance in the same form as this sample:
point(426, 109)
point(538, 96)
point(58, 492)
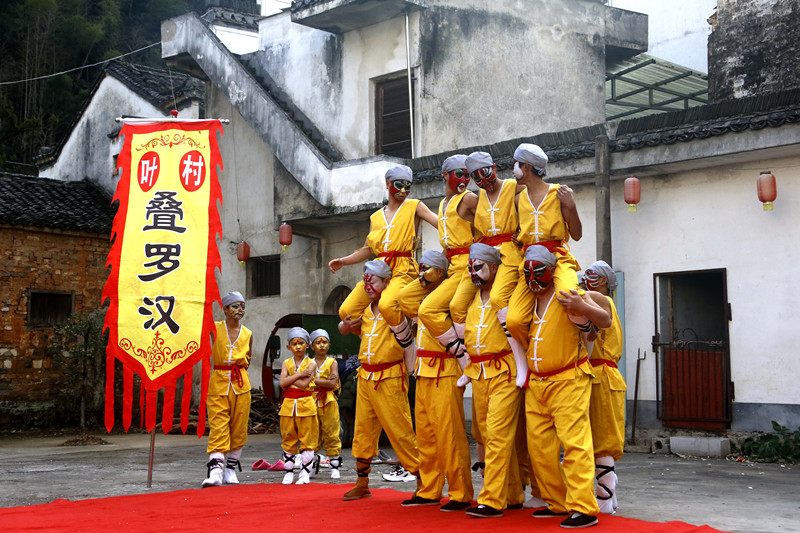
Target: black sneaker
point(547, 513)
point(416, 501)
point(514, 506)
point(484, 511)
point(453, 505)
point(578, 520)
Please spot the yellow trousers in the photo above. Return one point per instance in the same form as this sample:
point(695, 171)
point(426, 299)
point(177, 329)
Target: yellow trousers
point(522, 301)
point(385, 408)
point(526, 473)
point(442, 439)
point(227, 421)
point(410, 297)
point(464, 295)
point(358, 300)
point(496, 402)
point(607, 413)
point(299, 433)
point(434, 312)
point(329, 429)
point(557, 415)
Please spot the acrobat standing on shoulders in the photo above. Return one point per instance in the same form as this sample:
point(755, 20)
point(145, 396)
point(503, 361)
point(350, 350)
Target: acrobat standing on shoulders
point(298, 413)
point(326, 383)
point(228, 400)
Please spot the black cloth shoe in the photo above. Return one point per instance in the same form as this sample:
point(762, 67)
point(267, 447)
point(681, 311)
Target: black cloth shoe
point(547, 513)
point(418, 500)
point(513, 506)
point(484, 511)
point(578, 520)
point(453, 505)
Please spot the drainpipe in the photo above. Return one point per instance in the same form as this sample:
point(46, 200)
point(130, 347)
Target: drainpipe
point(602, 195)
point(410, 96)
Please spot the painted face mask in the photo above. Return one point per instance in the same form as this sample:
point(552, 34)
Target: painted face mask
point(517, 171)
point(457, 179)
point(428, 275)
point(592, 280)
point(485, 178)
point(237, 310)
point(537, 275)
point(374, 285)
point(321, 345)
point(479, 272)
point(399, 189)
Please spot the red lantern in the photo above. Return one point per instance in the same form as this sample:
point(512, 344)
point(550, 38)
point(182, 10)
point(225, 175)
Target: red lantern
point(633, 192)
point(767, 189)
point(242, 252)
point(285, 236)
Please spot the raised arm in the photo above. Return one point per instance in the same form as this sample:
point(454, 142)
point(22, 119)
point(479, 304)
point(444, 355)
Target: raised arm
point(570, 212)
point(359, 256)
point(424, 213)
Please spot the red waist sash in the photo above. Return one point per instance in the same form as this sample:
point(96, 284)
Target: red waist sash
point(452, 252)
point(555, 247)
point(542, 375)
point(296, 393)
point(391, 257)
point(380, 368)
point(496, 240)
point(600, 362)
point(236, 374)
point(433, 356)
point(498, 358)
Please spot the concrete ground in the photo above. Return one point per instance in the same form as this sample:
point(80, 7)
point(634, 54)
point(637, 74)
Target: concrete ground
point(724, 494)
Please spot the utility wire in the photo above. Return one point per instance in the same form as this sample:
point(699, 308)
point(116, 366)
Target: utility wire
point(79, 68)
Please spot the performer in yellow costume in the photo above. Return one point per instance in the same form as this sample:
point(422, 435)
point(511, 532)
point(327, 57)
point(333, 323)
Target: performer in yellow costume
point(298, 413)
point(439, 412)
point(557, 398)
point(494, 394)
point(326, 383)
point(382, 397)
point(393, 239)
point(228, 403)
point(548, 217)
point(607, 405)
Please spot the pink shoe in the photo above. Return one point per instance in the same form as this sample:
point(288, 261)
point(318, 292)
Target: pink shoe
point(277, 467)
point(261, 464)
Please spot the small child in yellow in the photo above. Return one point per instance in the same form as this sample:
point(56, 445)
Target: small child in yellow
point(326, 384)
point(299, 427)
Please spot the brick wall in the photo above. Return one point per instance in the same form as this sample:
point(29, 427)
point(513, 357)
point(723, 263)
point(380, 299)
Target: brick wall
point(40, 260)
point(753, 48)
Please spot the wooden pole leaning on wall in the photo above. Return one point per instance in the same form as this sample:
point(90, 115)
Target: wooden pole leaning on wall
point(602, 195)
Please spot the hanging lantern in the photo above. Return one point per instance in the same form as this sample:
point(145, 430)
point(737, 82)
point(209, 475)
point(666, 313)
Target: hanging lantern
point(633, 192)
point(767, 189)
point(285, 236)
point(242, 253)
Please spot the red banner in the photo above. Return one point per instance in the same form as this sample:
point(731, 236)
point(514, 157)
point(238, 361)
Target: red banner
point(162, 285)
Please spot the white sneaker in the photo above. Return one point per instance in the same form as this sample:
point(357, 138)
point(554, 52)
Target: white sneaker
point(214, 478)
point(335, 473)
point(534, 503)
point(324, 461)
point(303, 478)
point(288, 478)
point(230, 477)
point(399, 474)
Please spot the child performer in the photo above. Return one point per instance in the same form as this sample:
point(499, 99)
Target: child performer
point(326, 383)
point(228, 393)
point(299, 427)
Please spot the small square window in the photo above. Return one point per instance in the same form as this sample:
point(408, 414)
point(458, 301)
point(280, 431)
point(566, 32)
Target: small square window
point(49, 308)
point(264, 276)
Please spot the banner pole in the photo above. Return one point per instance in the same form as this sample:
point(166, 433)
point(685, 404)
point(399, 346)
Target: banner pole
point(150, 464)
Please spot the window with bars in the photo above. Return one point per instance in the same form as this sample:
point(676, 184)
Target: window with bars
point(392, 118)
point(264, 276)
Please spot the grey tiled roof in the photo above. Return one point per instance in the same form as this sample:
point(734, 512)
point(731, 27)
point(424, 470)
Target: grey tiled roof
point(48, 203)
point(157, 85)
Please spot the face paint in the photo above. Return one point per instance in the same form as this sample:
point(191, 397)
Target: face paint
point(374, 285)
point(485, 178)
point(236, 310)
point(517, 171)
point(298, 346)
point(429, 275)
point(457, 179)
point(321, 345)
point(537, 275)
point(479, 272)
point(592, 280)
point(399, 189)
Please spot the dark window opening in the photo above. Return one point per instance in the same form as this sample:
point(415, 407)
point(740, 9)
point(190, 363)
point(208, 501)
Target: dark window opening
point(264, 276)
point(49, 308)
point(392, 118)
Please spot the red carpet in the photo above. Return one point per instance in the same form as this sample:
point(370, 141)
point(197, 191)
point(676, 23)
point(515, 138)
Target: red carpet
point(279, 508)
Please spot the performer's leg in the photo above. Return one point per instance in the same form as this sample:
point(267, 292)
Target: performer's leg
point(355, 303)
point(390, 402)
point(464, 295)
point(289, 442)
point(215, 467)
point(544, 448)
point(361, 489)
point(520, 312)
point(218, 411)
point(410, 297)
point(434, 311)
point(451, 439)
point(504, 284)
point(565, 275)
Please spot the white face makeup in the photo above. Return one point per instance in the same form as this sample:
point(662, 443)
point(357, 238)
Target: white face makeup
point(479, 271)
point(517, 171)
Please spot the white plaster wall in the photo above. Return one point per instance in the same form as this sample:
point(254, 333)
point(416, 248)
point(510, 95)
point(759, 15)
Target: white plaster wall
point(237, 40)
point(678, 29)
point(707, 219)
